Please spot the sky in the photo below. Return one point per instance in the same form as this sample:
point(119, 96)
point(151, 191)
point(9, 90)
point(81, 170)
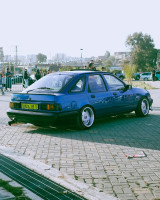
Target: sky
point(66, 26)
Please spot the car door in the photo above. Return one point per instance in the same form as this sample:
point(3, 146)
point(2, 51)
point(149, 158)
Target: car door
point(98, 95)
point(123, 100)
point(158, 75)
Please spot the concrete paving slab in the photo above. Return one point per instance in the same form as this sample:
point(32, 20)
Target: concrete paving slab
point(96, 156)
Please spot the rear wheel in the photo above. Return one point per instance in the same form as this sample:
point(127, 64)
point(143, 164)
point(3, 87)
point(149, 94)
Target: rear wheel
point(145, 79)
point(121, 77)
point(142, 109)
point(155, 79)
point(85, 118)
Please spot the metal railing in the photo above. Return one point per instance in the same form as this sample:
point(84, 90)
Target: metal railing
point(15, 83)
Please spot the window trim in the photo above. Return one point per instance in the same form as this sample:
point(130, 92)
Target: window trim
point(75, 85)
point(124, 84)
point(102, 80)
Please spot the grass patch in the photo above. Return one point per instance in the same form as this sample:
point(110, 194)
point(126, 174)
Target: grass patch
point(16, 191)
point(76, 177)
point(93, 183)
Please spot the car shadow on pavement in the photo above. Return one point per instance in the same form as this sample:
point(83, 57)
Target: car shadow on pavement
point(125, 130)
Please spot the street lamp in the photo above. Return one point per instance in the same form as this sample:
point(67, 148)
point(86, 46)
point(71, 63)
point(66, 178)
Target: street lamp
point(81, 57)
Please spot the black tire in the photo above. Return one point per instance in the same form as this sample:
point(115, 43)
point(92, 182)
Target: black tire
point(121, 77)
point(142, 109)
point(145, 79)
point(137, 78)
point(155, 79)
point(85, 118)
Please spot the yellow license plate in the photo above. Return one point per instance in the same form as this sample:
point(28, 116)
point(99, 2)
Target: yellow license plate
point(29, 106)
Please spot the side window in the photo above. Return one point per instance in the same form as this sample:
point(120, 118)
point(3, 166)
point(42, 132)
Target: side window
point(79, 86)
point(96, 84)
point(114, 83)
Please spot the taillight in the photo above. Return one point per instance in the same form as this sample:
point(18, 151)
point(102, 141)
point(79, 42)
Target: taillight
point(14, 105)
point(11, 105)
point(51, 107)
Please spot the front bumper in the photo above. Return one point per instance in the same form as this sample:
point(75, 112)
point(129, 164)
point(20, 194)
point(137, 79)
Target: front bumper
point(37, 117)
point(150, 103)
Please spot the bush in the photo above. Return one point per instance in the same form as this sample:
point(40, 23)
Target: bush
point(129, 70)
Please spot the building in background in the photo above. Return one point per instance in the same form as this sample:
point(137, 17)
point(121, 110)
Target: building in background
point(121, 56)
point(1, 54)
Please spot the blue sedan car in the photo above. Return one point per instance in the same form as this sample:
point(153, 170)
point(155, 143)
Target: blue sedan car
point(83, 95)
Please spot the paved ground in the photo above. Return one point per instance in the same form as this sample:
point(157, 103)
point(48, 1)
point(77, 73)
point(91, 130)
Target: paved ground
point(96, 156)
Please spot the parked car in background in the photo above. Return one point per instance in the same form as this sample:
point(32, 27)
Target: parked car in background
point(31, 80)
point(82, 95)
point(157, 76)
point(136, 76)
point(146, 76)
point(120, 75)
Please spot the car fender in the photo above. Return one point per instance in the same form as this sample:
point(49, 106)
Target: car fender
point(72, 102)
point(139, 94)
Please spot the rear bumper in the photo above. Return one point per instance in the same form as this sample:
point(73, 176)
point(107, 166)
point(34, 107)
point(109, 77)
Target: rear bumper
point(37, 117)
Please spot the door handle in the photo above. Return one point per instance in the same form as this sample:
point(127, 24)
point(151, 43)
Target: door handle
point(114, 93)
point(92, 96)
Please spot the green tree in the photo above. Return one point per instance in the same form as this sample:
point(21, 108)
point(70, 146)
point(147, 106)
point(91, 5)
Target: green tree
point(41, 58)
point(143, 54)
point(107, 64)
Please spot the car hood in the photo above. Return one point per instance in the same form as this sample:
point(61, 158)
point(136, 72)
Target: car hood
point(140, 90)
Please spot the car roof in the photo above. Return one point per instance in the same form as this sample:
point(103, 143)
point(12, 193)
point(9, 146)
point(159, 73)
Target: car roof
point(78, 72)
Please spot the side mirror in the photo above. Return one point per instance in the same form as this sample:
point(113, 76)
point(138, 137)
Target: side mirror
point(127, 87)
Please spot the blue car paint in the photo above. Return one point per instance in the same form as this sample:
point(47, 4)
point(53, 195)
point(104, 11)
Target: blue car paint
point(103, 103)
point(72, 101)
point(33, 97)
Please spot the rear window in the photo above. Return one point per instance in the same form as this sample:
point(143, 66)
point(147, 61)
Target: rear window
point(51, 82)
point(147, 73)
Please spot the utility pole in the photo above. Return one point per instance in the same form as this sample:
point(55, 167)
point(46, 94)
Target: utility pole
point(81, 57)
point(15, 61)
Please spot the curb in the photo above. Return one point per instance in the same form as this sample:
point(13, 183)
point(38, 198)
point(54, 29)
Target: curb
point(63, 179)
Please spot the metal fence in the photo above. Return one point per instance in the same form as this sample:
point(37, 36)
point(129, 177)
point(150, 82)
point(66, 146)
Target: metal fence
point(15, 83)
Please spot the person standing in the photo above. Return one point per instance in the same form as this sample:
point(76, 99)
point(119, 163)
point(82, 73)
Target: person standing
point(103, 69)
point(26, 77)
point(153, 75)
point(1, 84)
point(38, 75)
point(3, 80)
point(8, 79)
point(91, 65)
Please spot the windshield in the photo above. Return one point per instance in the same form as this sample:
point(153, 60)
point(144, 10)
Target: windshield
point(51, 82)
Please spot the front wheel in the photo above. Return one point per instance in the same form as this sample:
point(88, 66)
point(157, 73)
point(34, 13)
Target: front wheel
point(85, 118)
point(142, 109)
